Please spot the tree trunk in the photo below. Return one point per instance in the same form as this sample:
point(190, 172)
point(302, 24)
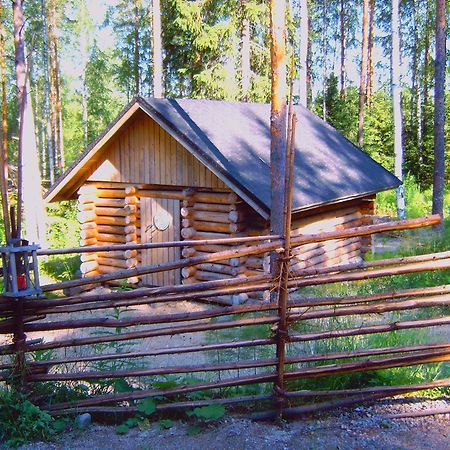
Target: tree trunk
point(137, 6)
point(325, 59)
point(397, 105)
point(47, 120)
point(4, 172)
point(304, 41)
point(439, 112)
point(59, 125)
point(28, 158)
point(158, 85)
point(52, 81)
point(369, 90)
point(342, 39)
point(245, 53)
point(84, 50)
point(426, 74)
point(363, 75)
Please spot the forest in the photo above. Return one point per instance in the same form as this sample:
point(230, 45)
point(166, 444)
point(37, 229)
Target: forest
point(367, 67)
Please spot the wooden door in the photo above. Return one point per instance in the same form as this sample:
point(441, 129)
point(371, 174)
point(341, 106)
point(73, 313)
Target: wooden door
point(160, 222)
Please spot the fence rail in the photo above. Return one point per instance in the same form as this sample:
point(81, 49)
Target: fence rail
point(280, 356)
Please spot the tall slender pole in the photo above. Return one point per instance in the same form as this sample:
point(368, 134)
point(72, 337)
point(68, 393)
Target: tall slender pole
point(4, 150)
point(278, 160)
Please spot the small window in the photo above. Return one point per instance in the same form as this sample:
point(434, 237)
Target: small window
point(162, 220)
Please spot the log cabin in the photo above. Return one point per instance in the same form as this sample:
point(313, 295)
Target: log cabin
point(174, 169)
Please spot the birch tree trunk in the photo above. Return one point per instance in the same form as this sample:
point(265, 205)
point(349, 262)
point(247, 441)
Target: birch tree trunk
point(158, 85)
point(31, 181)
point(397, 105)
point(303, 72)
point(136, 69)
point(325, 59)
point(48, 124)
point(4, 171)
point(245, 53)
point(84, 49)
point(369, 89)
point(342, 41)
point(363, 75)
point(439, 112)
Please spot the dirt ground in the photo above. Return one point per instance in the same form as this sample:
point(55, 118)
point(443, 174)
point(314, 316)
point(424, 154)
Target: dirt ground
point(367, 427)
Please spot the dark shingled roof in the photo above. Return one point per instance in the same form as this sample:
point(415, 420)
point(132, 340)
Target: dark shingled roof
point(234, 139)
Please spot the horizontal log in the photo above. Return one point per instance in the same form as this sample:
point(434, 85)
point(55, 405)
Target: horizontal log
point(110, 202)
point(88, 226)
point(105, 269)
point(112, 185)
point(86, 207)
point(156, 193)
point(215, 227)
point(425, 357)
point(89, 266)
point(377, 308)
point(131, 190)
point(86, 216)
point(121, 254)
point(108, 237)
point(107, 220)
point(135, 321)
point(92, 273)
point(88, 242)
point(226, 242)
point(111, 193)
point(114, 262)
point(131, 237)
point(87, 234)
point(187, 272)
point(212, 197)
point(142, 354)
point(86, 198)
point(132, 200)
point(371, 329)
point(221, 269)
point(136, 395)
point(211, 207)
point(85, 257)
point(111, 229)
point(263, 248)
point(129, 410)
point(235, 365)
point(203, 275)
point(210, 216)
point(116, 212)
point(210, 248)
point(190, 233)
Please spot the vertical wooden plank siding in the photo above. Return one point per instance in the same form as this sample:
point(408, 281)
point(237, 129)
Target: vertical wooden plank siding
point(150, 208)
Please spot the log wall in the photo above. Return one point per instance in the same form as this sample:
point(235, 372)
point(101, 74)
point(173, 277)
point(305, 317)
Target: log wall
point(111, 213)
point(108, 214)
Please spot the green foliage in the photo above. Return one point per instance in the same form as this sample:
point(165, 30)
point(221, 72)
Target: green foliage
point(21, 421)
point(418, 201)
point(146, 408)
point(211, 412)
point(166, 424)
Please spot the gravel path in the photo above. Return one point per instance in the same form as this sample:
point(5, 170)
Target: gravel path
point(360, 428)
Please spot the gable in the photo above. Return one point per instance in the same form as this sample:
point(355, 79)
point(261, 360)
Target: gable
point(143, 153)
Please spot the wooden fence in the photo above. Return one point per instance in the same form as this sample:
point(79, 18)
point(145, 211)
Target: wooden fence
point(268, 345)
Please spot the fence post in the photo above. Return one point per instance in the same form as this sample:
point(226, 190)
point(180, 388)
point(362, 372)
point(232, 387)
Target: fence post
point(282, 335)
